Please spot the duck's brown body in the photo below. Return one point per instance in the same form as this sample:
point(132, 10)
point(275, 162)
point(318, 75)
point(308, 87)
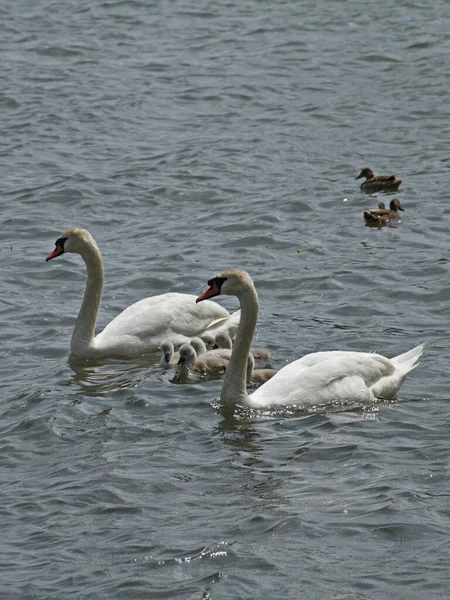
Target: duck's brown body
point(380, 183)
point(378, 217)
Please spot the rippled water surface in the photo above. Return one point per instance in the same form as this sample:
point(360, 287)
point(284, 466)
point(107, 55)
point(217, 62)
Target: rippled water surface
point(191, 137)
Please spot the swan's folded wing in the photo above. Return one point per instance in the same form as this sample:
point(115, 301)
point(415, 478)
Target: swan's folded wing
point(172, 312)
point(325, 377)
point(227, 325)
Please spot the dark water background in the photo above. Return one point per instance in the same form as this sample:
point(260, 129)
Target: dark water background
point(189, 137)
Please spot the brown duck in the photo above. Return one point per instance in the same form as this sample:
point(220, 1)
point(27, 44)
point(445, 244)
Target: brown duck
point(378, 217)
point(381, 183)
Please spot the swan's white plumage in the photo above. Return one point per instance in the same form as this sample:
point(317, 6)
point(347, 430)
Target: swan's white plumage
point(316, 379)
point(141, 327)
point(227, 327)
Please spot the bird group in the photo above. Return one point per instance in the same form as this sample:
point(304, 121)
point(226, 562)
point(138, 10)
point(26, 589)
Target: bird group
point(381, 216)
point(181, 322)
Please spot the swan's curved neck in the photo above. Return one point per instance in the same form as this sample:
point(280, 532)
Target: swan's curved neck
point(84, 330)
point(234, 388)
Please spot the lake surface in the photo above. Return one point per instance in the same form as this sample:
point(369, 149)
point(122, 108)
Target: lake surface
point(189, 137)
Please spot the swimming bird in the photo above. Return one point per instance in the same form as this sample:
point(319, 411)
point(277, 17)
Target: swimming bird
point(199, 345)
point(141, 327)
point(258, 375)
point(206, 363)
point(223, 340)
point(316, 379)
point(169, 357)
point(380, 183)
point(378, 217)
point(208, 339)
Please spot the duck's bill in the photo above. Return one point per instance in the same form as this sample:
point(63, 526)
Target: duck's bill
point(213, 290)
point(56, 252)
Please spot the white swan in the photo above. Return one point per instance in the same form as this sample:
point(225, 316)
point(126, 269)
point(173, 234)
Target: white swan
point(141, 327)
point(223, 340)
point(258, 375)
point(316, 379)
point(206, 363)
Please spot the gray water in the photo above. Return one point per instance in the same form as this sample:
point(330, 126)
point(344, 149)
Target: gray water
point(189, 137)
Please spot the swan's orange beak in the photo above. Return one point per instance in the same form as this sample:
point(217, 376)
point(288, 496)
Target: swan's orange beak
point(56, 252)
point(214, 290)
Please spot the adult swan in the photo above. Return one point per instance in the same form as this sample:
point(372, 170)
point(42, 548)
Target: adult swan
point(141, 327)
point(316, 379)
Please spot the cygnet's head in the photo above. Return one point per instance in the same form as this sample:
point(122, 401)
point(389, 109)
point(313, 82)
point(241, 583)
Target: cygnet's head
point(208, 339)
point(199, 345)
point(223, 340)
point(187, 355)
point(167, 349)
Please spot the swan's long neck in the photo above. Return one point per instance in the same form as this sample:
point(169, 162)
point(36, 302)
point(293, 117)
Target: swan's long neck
point(84, 330)
point(234, 388)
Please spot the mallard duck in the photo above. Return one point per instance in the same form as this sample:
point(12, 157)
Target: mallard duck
point(381, 183)
point(377, 217)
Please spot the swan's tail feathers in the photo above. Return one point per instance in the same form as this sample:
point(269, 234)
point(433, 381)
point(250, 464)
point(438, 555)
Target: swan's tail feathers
point(409, 360)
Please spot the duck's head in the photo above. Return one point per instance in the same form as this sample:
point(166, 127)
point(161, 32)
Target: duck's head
point(366, 172)
point(395, 205)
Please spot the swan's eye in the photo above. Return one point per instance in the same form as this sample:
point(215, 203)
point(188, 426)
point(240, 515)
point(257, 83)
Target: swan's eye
point(60, 242)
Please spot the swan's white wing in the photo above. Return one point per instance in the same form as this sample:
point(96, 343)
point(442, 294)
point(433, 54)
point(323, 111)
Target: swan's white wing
point(326, 377)
point(228, 326)
point(172, 316)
